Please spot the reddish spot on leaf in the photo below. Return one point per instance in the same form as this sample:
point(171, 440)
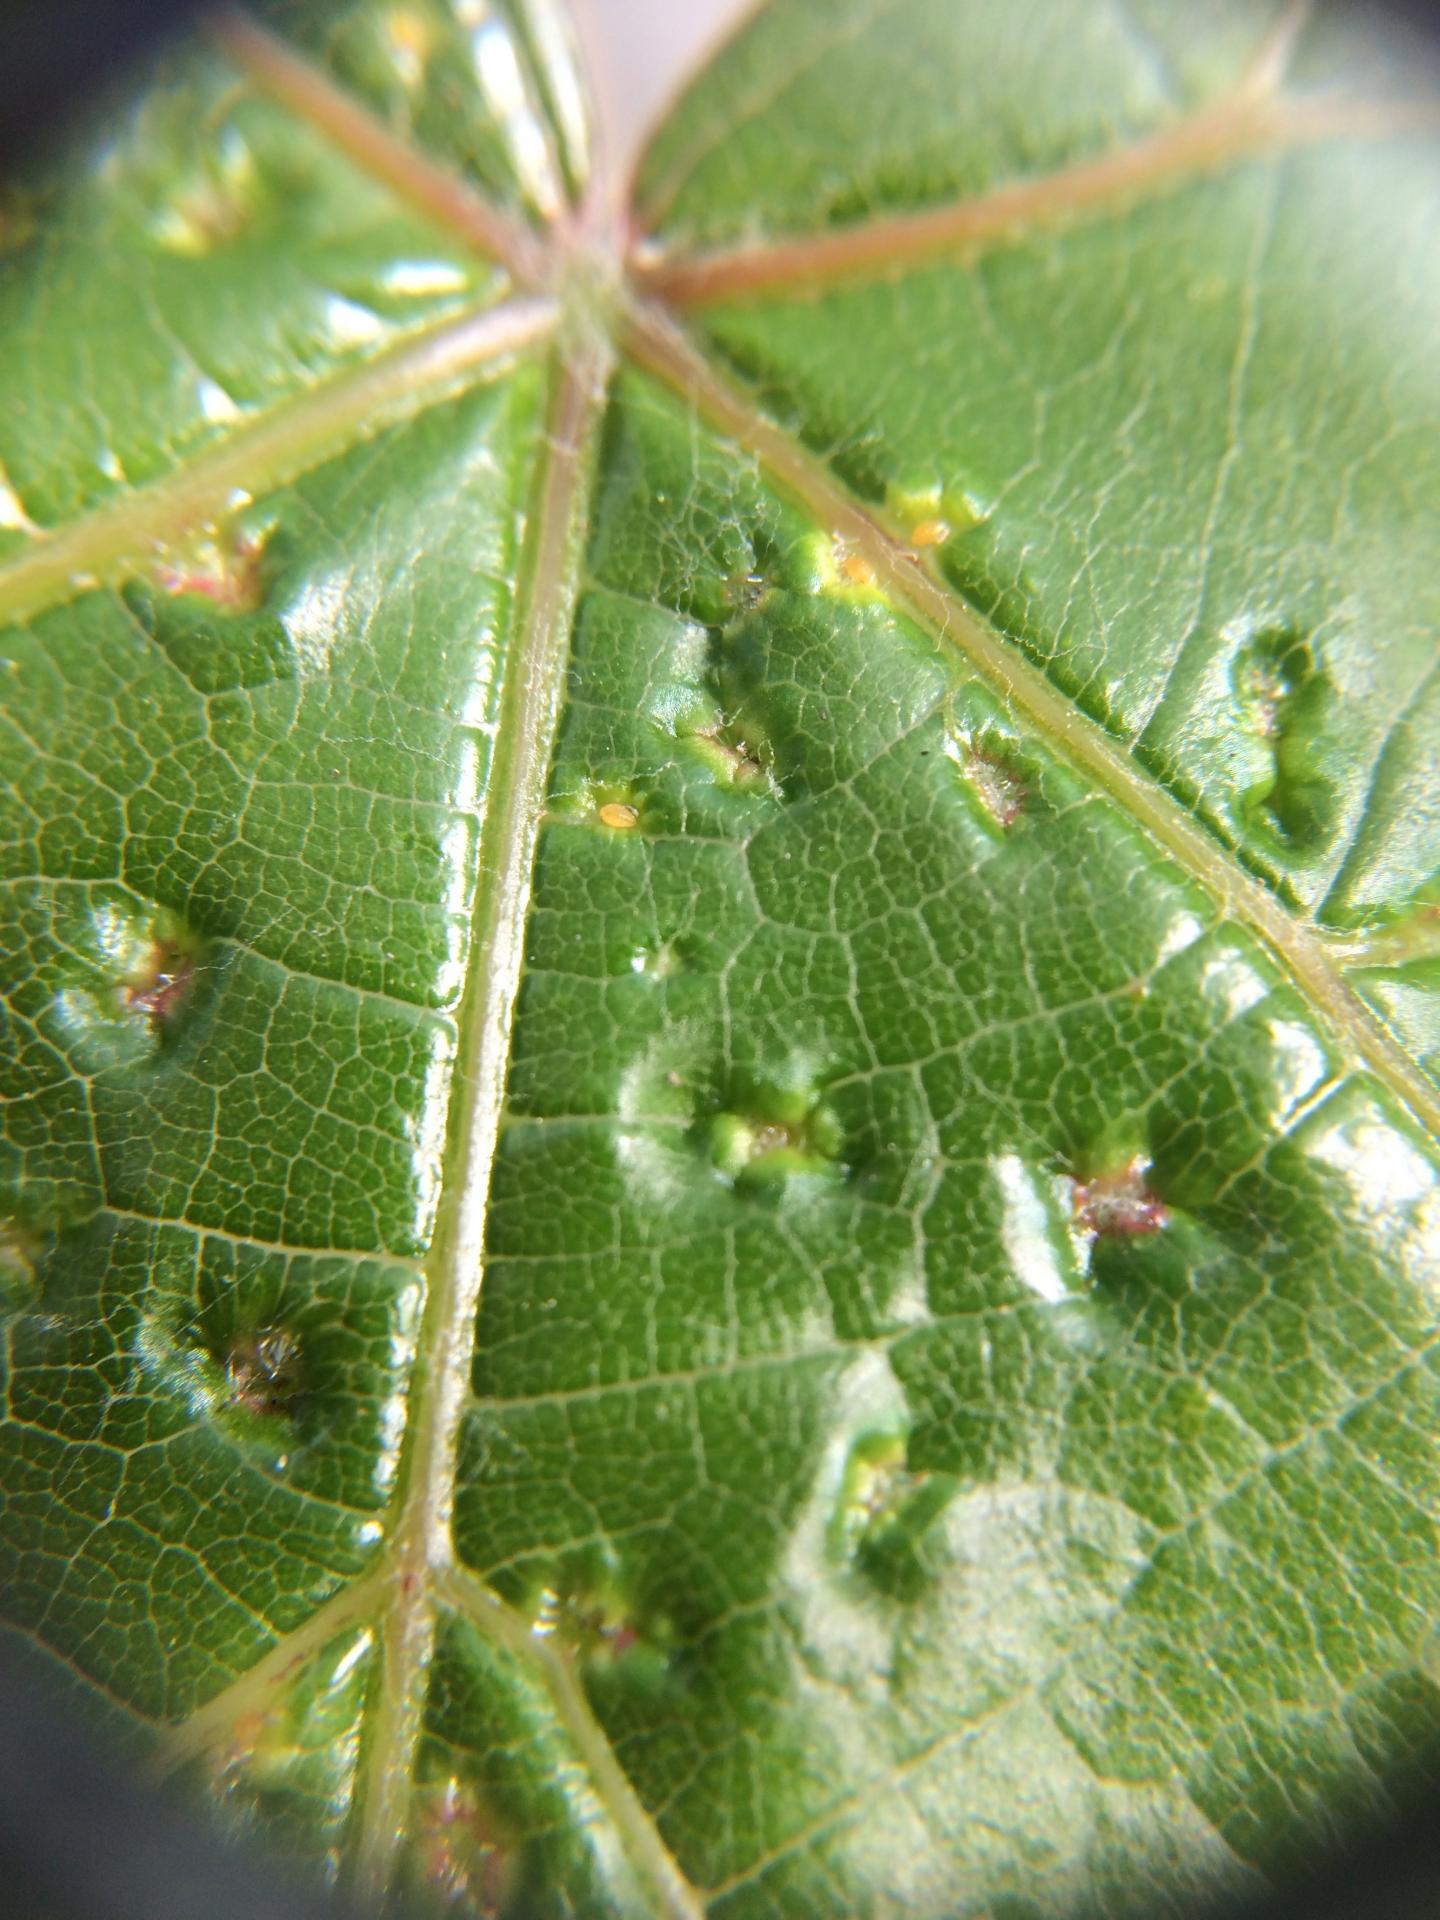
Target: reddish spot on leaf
point(742, 766)
point(462, 1855)
point(1120, 1204)
point(594, 1624)
point(1001, 793)
point(165, 986)
point(228, 573)
point(995, 785)
point(264, 1371)
point(1415, 936)
point(248, 1731)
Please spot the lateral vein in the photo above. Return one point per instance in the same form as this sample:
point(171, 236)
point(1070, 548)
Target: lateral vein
point(656, 343)
point(443, 197)
point(675, 1898)
point(257, 1689)
point(295, 436)
point(1248, 123)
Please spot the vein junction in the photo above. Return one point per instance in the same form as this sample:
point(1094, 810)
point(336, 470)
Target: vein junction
point(417, 1573)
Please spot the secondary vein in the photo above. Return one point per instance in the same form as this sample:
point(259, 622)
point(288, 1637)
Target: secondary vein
point(314, 98)
point(260, 1687)
point(1202, 143)
point(656, 343)
point(676, 1898)
point(295, 436)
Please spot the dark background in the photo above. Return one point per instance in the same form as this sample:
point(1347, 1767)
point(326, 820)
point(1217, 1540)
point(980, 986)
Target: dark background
point(82, 1837)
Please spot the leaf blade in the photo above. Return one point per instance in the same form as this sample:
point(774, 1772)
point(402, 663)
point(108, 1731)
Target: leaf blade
point(957, 1311)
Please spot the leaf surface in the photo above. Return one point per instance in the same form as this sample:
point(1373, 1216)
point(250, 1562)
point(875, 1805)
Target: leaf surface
point(720, 1184)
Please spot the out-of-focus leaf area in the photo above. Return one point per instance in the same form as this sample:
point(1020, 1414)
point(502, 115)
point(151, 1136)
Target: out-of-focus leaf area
point(718, 1181)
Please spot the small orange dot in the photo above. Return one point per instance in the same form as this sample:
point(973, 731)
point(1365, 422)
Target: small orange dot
point(409, 34)
point(248, 1731)
point(615, 813)
point(930, 533)
point(857, 570)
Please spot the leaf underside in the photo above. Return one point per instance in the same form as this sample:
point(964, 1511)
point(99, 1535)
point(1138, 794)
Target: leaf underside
point(719, 1183)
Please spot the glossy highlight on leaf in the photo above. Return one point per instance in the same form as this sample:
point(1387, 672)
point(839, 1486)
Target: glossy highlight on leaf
point(719, 1185)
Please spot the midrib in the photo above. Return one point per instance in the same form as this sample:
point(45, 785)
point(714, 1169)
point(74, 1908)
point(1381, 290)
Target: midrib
point(421, 1546)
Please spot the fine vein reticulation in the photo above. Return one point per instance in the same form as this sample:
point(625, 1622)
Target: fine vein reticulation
point(590, 311)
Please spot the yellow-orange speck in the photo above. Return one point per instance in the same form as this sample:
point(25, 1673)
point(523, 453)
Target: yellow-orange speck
point(856, 569)
point(410, 36)
point(615, 813)
point(930, 533)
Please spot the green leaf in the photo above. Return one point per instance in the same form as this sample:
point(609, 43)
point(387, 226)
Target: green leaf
point(720, 1185)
